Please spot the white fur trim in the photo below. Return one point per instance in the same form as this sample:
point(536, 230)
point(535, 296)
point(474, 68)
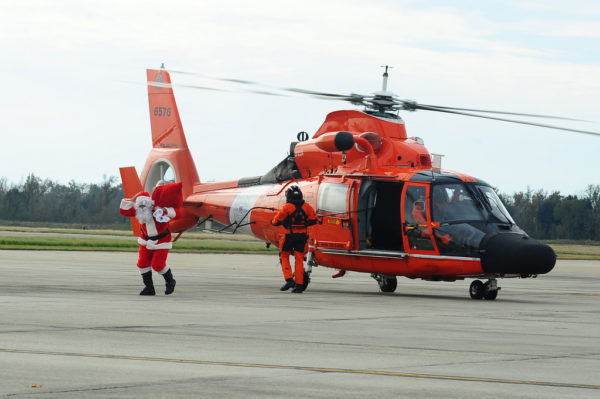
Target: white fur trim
point(170, 212)
point(145, 269)
point(152, 244)
point(165, 269)
point(143, 200)
point(151, 229)
point(126, 204)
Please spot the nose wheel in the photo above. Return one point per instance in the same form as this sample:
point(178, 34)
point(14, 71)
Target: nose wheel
point(479, 290)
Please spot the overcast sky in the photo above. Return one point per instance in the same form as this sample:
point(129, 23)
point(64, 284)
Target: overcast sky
point(75, 103)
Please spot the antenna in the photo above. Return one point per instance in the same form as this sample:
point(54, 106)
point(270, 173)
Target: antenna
point(385, 76)
point(436, 161)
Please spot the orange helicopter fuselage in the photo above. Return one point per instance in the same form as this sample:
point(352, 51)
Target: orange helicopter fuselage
point(375, 191)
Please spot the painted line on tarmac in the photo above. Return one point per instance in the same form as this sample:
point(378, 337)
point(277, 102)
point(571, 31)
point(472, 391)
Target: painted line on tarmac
point(304, 368)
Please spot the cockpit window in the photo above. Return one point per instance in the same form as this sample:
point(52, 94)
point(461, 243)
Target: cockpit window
point(498, 209)
point(453, 202)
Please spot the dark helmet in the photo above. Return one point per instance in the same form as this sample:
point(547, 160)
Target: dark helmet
point(293, 194)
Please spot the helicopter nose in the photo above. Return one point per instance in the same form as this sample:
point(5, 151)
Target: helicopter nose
point(516, 254)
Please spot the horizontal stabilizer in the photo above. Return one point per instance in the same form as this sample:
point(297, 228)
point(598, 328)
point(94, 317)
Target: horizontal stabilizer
point(131, 186)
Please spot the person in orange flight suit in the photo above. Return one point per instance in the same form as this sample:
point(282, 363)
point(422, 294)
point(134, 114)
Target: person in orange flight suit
point(419, 215)
point(296, 215)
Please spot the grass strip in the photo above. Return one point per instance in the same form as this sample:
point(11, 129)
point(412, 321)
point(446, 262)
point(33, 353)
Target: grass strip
point(127, 233)
point(108, 244)
point(576, 252)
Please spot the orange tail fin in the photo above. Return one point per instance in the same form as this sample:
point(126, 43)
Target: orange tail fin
point(167, 131)
point(131, 186)
point(170, 159)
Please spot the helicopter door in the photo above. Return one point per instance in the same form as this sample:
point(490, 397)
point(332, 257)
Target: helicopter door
point(417, 229)
point(332, 206)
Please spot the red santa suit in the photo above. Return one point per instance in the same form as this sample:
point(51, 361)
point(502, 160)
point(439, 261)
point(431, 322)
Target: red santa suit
point(155, 240)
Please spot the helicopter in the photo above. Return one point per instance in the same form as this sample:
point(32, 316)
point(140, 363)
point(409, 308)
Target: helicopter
point(384, 204)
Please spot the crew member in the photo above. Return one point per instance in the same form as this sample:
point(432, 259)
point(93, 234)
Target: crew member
point(296, 215)
point(154, 215)
point(420, 216)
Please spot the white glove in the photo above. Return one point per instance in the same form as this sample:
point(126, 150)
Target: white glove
point(160, 216)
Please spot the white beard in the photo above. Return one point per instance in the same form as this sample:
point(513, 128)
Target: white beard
point(144, 213)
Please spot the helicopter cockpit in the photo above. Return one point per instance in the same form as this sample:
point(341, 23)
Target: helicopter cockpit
point(462, 215)
point(452, 202)
point(450, 216)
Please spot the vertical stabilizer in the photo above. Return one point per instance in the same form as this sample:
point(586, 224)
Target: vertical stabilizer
point(169, 160)
point(167, 131)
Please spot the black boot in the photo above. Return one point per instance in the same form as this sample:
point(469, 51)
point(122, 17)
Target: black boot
point(289, 283)
point(149, 286)
point(169, 282)
point(298, 289)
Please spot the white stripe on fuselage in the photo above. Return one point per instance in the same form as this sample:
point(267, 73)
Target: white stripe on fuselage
point(239, 211)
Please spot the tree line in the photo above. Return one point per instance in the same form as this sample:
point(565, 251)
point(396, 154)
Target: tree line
point(46, 201)
point(542, 215)
point(554, 216)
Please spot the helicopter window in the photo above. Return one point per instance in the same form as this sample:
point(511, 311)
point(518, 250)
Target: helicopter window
point(453, 202)
point(496, 204)
point(415, 212)
point(415, 209)
point(332, 198)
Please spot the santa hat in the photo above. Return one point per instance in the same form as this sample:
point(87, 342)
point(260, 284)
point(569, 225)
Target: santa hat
point(168, 195)
point(141, 196)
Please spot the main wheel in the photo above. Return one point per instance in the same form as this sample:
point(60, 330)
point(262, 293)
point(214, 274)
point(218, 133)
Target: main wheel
point(489, 294)
point(476, 289)
point(387, 284)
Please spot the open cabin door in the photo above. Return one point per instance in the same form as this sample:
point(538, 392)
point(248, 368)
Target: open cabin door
point(378, 216)
point(417, 227)
point(333, 208)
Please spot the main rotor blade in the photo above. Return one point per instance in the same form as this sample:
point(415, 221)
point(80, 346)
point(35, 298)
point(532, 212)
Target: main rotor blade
point(170, 85)
point(504, 112)
point(161, 84)
point(240, 81)
point(317, 94)
point(429, 108)
point(374, 100)
point(327, 96)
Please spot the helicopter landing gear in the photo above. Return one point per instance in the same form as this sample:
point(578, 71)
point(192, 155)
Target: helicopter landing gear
point(476, 289)
point(490, 289)
point(479, 290)
point(386, 283)
point(305, 280)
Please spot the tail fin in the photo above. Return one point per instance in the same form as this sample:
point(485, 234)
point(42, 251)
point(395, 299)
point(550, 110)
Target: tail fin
point(167, 131)
point(170, 159)
point(131, 186)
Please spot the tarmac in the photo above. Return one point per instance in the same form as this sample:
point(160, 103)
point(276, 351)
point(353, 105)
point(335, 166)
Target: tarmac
point(72, 325)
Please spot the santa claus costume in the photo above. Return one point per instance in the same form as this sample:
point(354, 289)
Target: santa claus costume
point(154, 214)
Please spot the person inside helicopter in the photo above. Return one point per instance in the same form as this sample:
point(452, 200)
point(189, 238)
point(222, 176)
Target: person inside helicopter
point(454, 210)
point(453, 202)
point(416, 227)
